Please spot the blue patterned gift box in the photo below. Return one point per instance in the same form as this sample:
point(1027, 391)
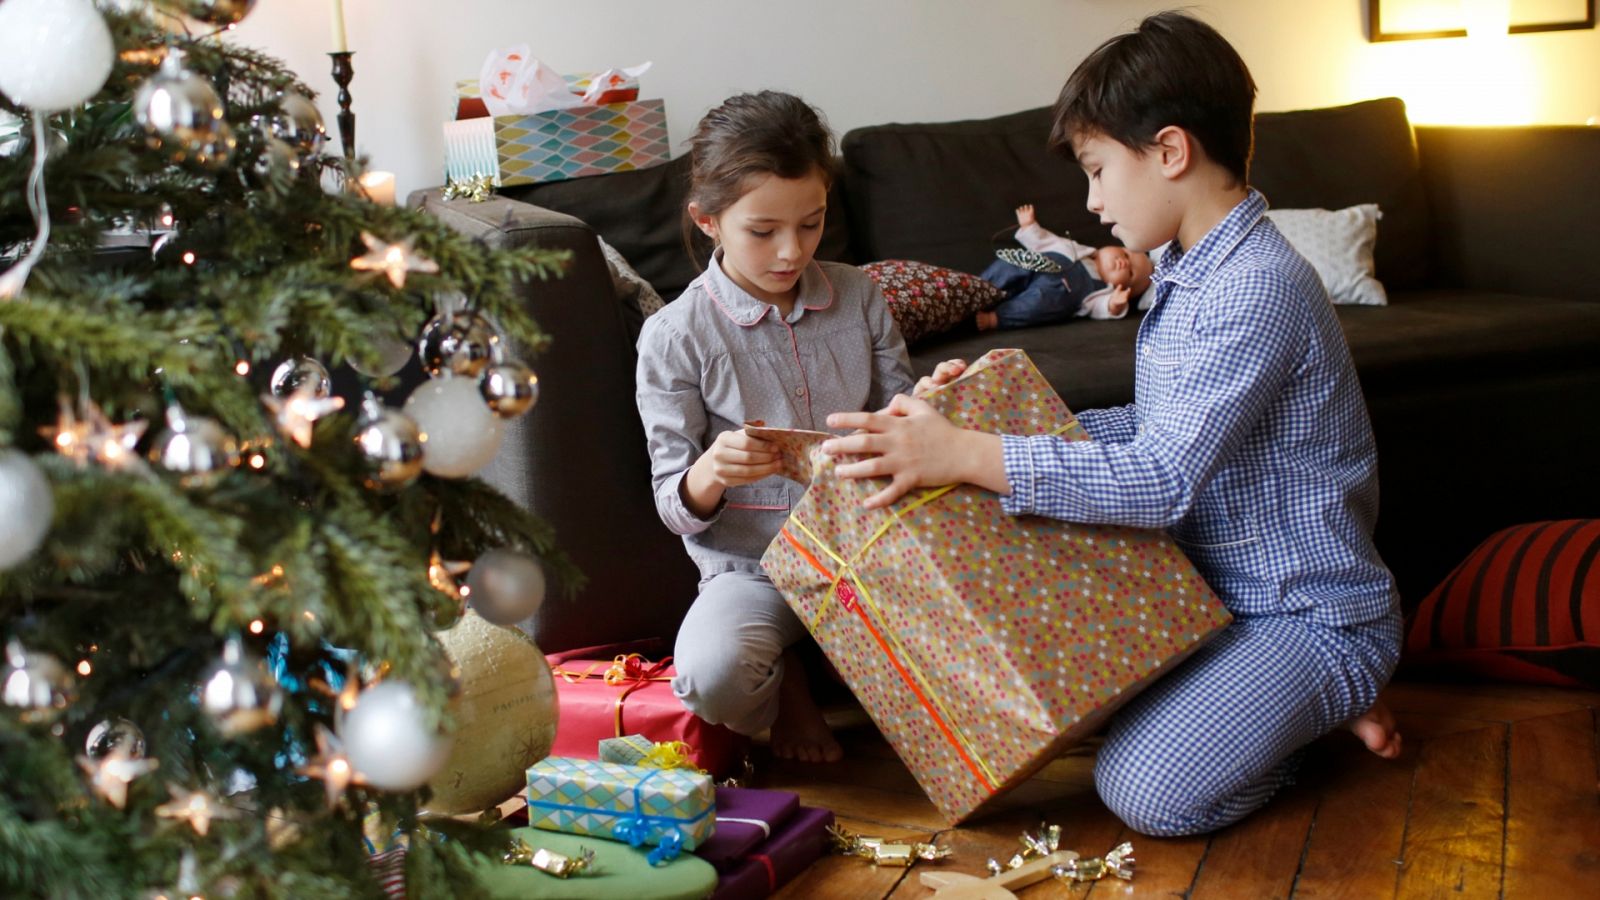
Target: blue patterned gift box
point(670, 809)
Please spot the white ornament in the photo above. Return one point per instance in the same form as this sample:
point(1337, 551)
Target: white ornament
point(54, 54)
point(388, 741)
point(26, 507)
point(463, 435)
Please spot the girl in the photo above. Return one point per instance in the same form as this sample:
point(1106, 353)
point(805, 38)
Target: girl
point(766, 332)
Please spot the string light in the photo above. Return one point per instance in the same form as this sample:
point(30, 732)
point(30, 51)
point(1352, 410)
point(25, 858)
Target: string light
point(242, 367)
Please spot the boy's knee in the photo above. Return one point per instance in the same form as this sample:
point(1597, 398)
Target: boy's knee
point(1146, 802)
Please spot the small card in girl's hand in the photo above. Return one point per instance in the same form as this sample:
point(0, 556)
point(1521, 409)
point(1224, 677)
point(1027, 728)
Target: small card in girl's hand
point(794, 447)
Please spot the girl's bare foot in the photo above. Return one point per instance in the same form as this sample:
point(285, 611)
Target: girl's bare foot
point(799, 731)
point(988, 321)
point(1375, 728)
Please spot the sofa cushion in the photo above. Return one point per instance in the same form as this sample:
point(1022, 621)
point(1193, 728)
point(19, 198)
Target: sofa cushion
point(1348, 155)
point(926, 299)
point(937, 192)
point(1523, 606)
point(641, 214)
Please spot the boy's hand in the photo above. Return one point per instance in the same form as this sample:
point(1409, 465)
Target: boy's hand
point(943, 374)
point(736, 458)
point(1025, 216)
point(914, 446)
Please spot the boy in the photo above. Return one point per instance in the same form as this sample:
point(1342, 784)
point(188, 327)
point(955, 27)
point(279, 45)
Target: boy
point(1099, 284)
point(1248, 441)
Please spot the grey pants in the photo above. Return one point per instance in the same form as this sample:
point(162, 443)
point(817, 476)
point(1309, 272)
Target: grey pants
point(730, 651)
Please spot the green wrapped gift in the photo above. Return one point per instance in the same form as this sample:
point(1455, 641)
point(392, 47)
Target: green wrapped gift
point(617, 870)
point(669, 809)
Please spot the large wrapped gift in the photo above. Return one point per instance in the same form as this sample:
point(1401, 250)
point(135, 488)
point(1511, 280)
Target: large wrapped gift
point(776, 861)
point(669, 809)
point(557, 144)
point(630, 695)
point(982, 644)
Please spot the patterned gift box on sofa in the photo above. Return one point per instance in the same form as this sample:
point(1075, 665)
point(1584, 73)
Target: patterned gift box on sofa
point(557, 145)
point(983, 644)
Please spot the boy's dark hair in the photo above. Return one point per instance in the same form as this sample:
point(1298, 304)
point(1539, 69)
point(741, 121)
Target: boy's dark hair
point(1172, 70)
point(749, 135)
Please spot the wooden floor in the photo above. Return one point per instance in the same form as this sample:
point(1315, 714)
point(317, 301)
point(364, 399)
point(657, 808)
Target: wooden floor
point(1495, 796)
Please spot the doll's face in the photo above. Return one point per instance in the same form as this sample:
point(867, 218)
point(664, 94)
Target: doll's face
point(1119, 266)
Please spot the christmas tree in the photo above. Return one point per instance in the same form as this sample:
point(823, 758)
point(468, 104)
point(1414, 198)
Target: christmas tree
point(220, 581)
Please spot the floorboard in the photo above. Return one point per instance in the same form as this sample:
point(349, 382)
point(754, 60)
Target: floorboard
point(1495, 795)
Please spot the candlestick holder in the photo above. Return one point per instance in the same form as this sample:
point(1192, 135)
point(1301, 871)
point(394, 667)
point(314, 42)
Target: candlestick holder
point(343, 71)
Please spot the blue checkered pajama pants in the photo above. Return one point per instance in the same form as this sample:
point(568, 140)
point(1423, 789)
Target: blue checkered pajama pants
point(1215, 738)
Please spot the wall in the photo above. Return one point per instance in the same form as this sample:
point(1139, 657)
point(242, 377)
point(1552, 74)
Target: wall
point(870, 61)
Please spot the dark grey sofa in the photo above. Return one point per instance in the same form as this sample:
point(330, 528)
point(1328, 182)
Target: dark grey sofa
point(1482, 375)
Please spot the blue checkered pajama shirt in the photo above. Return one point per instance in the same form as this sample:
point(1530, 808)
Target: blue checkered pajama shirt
point(1248, 441)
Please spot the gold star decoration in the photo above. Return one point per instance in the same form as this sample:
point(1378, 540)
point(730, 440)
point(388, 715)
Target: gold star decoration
point(331, 765)
point(94, 436)
point(393, 260)
point(445, 575)
point(299, 412)
point(111, 774)
point(198, 808)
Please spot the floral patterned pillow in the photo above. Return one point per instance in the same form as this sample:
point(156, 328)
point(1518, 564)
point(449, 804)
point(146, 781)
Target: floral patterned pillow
point(927, 299)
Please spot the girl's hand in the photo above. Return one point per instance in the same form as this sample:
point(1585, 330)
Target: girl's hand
point(915, 446)
point(944, 373)
point(736, 458)
point(1025, 215)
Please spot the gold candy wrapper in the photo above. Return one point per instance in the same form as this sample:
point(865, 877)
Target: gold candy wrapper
point(1035, 844)
point(549, 861)
point(1117, 863)
point(881, 852)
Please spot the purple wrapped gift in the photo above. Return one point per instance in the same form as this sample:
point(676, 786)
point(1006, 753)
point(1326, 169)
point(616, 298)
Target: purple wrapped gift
point(745, 818)
point(793, 847)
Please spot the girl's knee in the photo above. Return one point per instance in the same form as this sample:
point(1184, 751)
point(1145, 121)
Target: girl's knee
point(724, 689)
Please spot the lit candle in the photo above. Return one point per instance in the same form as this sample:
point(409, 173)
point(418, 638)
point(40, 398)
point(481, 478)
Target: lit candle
point(379, 186)
point(339, 43)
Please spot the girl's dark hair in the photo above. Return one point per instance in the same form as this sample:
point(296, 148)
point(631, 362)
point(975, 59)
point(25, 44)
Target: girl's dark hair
point(751, 135)
point(1172, 70)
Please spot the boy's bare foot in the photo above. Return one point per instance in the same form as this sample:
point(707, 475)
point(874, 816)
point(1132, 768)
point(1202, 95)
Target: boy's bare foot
point(799, 731)
point(1375, 728)
point(988, 321)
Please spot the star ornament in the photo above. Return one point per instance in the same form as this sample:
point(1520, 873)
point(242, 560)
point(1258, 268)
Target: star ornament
point(445, 575)
point(331, 765)
point(111, 774)
point(393, 260)
point(299, 412)
point(196, 807)
point(96, 437)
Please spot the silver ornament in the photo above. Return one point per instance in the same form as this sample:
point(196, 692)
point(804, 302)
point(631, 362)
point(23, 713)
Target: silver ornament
point(181, 113)
point(195, 448)
point(505, 586)
point(510, 388)
point(26, 507)
point(273, 156)
point(36, 684)
point(239, 693)
point(218, 12)
point(114, 736)
point(299, 124)
point(291, 373)
point(389, 739)
point(391, 446)
point(463, 435)
point(461, 343)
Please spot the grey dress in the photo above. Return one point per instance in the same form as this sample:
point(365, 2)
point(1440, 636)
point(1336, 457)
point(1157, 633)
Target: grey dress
point(710, 361)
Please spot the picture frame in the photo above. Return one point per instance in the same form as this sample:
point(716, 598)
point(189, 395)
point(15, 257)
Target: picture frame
point(1412, 20)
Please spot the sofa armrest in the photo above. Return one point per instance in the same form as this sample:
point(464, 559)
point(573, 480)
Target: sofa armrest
point(578, 459)
point(1513, 208)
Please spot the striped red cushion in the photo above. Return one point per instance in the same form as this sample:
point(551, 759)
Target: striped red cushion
point(1523, 606)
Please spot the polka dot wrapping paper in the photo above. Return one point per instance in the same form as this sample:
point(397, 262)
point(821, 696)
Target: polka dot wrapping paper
point(984, 644)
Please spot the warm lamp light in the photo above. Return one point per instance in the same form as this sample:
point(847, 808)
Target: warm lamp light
point(1489, 19)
